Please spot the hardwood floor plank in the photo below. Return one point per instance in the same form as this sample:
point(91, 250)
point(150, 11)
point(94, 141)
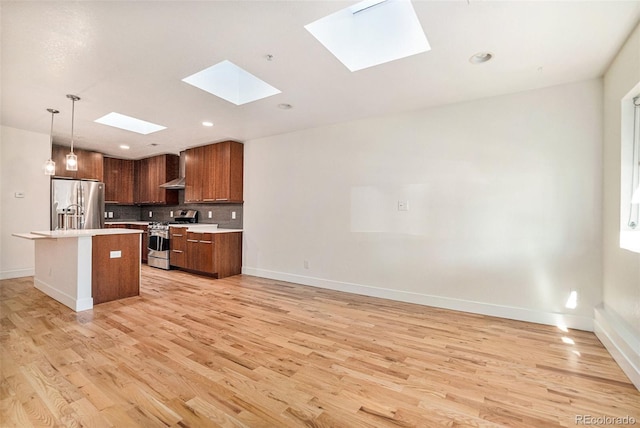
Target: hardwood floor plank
point(196, 352)
point(217, 416)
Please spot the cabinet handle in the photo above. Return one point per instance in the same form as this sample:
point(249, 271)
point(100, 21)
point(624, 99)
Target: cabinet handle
point(205, 242)
point(176, 234)
point(177, 251)
point(222, 199)
point(192, 240)
point(209, 200)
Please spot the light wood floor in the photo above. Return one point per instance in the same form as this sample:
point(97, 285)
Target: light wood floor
point(245, 351)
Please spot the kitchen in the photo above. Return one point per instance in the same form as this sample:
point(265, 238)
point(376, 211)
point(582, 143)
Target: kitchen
point(80, 201)
point(490, 188)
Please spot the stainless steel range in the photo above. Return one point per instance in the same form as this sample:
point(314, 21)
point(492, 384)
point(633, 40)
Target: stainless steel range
point(158, 245)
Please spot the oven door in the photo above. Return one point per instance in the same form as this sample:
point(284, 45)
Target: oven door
point(158, 242)
point(158, 247)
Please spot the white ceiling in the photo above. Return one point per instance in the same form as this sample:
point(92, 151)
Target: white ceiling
point(130, 57)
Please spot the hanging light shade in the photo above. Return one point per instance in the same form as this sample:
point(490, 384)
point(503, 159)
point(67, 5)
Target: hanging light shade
point(50, 165)
point(72, 159)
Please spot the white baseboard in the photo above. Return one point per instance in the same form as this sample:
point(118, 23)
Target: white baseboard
point(16, 273)
point(65, 299)
point(621, 343)
point(509, 312)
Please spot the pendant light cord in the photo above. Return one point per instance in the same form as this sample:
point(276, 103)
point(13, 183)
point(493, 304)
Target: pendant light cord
point(73, 99)
point(636, 140)
point(73, 115)
point(53, 112)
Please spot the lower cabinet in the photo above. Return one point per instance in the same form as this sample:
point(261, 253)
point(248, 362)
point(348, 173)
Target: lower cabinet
point(200, 252)
point(215, 254)
point(119, 277)
point(144, 250)
point(178, 243)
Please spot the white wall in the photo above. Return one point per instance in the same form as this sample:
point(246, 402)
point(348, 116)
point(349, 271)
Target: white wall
point(618, 319)
point(504, 205)
point(22, 157)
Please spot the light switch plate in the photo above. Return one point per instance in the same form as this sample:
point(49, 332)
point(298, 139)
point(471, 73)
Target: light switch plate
point(233, 215)
point(403, 205)
point(210, 214)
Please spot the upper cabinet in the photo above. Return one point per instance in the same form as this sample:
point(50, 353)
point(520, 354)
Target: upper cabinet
point(213, 173)
point(118, 181)
point(149, 174)
point(89, 163)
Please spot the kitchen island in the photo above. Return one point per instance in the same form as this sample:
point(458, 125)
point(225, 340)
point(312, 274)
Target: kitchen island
point(80, 268)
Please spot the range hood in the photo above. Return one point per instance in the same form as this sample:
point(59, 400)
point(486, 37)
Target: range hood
point(177, 183)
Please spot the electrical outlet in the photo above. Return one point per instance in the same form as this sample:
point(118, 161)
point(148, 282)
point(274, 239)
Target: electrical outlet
point(106, 214)
point(306, 264)
point(171, 214)
point(233, 215)
point(115, 254)
point(403, 205)
point(110, 214)
point(210, 215)
point(150, 214)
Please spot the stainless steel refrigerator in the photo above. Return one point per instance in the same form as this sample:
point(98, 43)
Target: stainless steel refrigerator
point(77, 204)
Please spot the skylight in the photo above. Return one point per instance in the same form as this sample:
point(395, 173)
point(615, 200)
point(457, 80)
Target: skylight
point(230, 82)
point(128, 123)
point(371, 32)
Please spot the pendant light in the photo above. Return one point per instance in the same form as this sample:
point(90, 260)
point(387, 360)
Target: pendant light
point(50, 165)
point(72, 159)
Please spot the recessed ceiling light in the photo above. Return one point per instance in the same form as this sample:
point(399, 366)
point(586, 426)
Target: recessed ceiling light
point(207, 123)
point(481, 57)
point(124, 147)
point(371, 32)
point(128, 123)
point(230, 82)
point(285, 106)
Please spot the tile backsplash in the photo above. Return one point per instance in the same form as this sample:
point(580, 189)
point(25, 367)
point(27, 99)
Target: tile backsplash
point(220, 213)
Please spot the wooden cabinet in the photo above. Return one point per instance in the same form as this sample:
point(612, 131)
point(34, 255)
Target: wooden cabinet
point(194, 174)
point(213, 173)
point(144, 250)
point(149, 174)
point(229, 171)
point(228, 254)
point(215, 254)
point(118, 181)
point(200, 252)
point(115, 278)
point(90, 164)
point(178, 242)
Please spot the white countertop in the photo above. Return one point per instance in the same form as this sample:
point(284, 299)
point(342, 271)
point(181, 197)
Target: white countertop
point(191, 227)
point(76, 233)
point(138, 223)
point(205, 228)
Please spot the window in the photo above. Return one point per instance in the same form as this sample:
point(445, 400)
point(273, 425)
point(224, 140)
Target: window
point(630, 171)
